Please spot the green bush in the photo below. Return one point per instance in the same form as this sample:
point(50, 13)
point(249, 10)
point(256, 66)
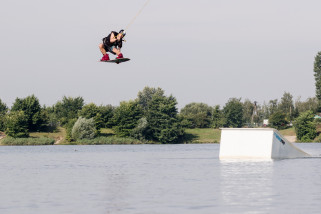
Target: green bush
point(9, 141)
point(139, 131)
point(305, 127)
point(84, 129)
point(277, 120)
point(16, 123)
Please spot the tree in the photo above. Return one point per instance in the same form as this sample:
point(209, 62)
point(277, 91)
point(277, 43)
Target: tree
point(106, 115)
point(233, 112)
point(260, 114)
point(145, 96)
point(163, 123)
point(305, 127)
point(88, 111)
point(92, 111)
point(101, 114)
point(218, 119)
point(84, 129)
point(68, 108)
point(286, 105)
point(53, 122)
point(199, 115)
point(248, 109)
point(37, 120)
point(162, 117)
point(278, 120)
point(264, 111)
point(3, 112)
point(273, 106)
point(126, 118)
point(312, 104)
point(317, 75)
point(3, 108)
point(16, 123)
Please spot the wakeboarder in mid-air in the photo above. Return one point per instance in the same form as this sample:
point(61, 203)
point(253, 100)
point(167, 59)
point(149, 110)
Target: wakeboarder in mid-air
point(113, 44)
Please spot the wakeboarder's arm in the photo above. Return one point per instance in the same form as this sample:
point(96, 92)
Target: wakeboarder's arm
point(113, 38)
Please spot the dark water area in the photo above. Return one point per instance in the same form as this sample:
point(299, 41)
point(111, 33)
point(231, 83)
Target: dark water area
point(156, 179)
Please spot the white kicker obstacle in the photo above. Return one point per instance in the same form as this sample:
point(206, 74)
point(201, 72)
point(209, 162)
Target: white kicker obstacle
point(257, 143)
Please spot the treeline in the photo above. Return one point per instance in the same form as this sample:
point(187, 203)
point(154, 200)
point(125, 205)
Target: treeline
point(237, 113)
point(153, 116)
point(277, 114)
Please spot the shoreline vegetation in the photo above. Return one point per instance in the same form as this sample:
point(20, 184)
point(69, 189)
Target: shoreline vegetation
point(152, 118)
point(107, 137)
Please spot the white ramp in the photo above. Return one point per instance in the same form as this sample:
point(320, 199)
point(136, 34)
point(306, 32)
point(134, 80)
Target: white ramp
point(256, 143)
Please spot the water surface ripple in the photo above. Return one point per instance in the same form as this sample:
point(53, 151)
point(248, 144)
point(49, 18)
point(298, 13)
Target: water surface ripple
point(154, 179)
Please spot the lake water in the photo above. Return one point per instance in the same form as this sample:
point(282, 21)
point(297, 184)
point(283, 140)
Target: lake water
point(148, 179)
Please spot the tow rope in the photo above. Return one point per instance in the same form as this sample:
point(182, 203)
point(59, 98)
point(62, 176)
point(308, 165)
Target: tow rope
point(139, 12)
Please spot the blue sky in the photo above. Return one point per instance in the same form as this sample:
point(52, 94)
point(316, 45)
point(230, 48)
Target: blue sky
point(199, 51)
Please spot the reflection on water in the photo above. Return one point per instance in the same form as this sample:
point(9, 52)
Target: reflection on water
point(154, 179)
point(246, 184)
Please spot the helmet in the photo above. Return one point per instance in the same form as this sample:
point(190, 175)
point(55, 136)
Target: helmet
point(123, 32)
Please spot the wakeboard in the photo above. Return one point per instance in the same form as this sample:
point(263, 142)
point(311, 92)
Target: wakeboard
point(117, 61)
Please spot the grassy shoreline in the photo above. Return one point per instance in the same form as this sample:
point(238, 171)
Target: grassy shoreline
point(202, 135)
point(107, 137)
point(30, 141)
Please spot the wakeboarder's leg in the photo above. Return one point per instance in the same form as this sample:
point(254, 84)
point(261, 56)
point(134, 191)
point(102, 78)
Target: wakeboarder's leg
point(103, 51)
point(118, 53)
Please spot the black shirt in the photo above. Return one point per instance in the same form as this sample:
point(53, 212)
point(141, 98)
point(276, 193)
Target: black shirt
point(107, 42)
